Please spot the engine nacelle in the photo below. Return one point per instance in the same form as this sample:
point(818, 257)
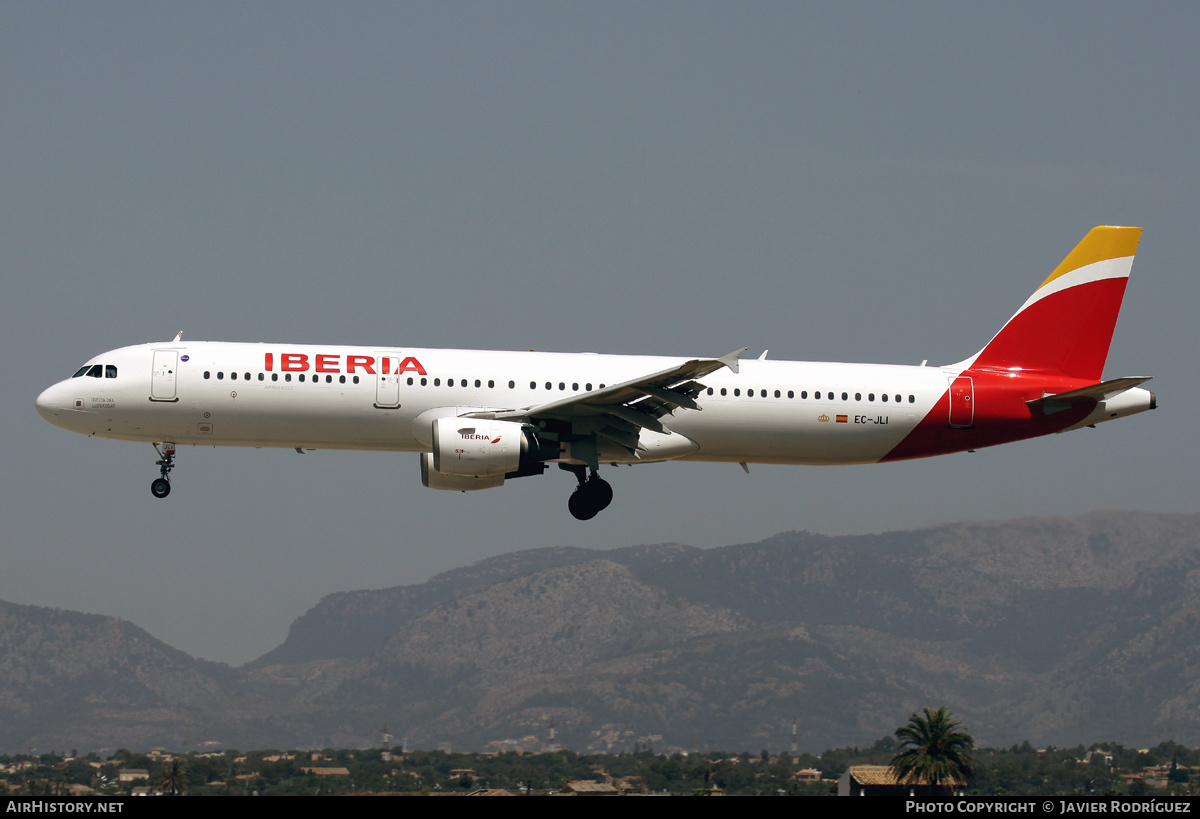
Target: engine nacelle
point(433, 479)
point(476, 448)
point(479, 453)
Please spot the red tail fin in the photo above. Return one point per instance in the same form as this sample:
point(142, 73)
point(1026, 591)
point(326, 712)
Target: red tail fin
point(1066, 326)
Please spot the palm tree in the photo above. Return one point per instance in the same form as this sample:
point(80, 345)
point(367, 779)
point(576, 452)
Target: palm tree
point(938, 751)
point(172, 777)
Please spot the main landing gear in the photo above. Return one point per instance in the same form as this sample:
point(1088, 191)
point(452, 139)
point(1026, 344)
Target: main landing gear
point(592, 496)
point(166, 462)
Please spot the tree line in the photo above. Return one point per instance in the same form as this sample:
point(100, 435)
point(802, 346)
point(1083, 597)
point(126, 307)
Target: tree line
point(1098, 769)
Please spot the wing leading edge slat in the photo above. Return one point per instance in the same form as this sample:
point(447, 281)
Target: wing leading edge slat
point(640, 402)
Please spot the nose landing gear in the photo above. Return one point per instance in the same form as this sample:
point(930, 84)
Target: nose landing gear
point(161, 487)
point(592, 496)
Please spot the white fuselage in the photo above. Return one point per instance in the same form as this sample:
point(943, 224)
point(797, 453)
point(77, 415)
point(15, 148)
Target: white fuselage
point(331, 397)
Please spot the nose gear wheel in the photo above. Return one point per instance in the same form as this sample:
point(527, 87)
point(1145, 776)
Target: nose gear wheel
point(161, 486)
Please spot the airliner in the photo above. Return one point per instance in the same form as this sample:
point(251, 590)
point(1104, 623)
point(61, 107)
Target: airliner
point(478, 418)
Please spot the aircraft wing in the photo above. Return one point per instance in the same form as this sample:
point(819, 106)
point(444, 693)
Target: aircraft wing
point(619, 411)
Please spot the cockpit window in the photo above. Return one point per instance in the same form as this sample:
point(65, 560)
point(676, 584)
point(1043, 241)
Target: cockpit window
point(82, 370)
point(95, 371)
point(110, 371)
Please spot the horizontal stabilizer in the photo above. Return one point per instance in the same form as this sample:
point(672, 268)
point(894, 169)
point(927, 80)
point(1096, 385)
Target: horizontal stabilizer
point(1050, 404)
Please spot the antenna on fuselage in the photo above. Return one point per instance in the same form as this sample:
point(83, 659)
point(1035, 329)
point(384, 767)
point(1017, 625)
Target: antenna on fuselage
point(178, 337)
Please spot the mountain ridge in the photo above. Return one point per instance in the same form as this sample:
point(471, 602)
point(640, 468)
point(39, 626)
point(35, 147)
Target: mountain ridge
point(1048, 629)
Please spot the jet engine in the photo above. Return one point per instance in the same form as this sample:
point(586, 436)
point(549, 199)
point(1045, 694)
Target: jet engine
point(475, 453)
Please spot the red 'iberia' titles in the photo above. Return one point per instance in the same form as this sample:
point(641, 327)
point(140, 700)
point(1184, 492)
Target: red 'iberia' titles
point(329, 363)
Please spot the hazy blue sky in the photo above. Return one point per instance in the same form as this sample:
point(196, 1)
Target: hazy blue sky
point(832, 181)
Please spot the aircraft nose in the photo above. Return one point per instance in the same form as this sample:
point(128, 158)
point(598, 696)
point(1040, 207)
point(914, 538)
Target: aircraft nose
point(51, 405)
point(43, 404)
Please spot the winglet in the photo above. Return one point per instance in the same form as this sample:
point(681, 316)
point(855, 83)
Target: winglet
point(731, 360)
